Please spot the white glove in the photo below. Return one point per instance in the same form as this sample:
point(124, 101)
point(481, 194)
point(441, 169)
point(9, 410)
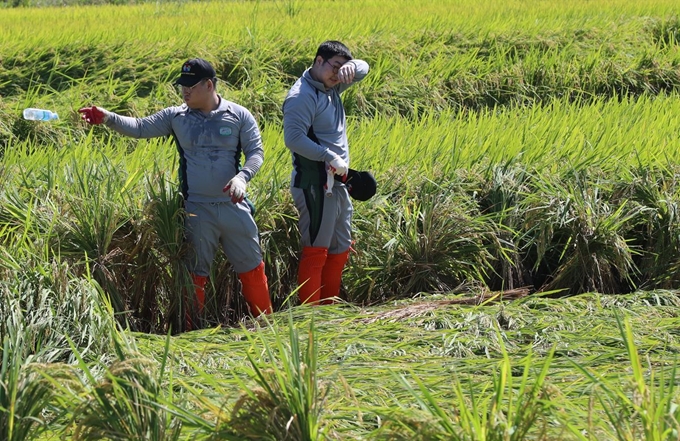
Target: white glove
point(236, 189)
point(339, 166)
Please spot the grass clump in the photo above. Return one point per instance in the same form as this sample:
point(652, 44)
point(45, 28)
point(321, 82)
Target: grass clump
point(289, 402)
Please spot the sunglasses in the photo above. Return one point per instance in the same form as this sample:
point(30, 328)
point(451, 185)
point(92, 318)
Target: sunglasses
point(181, 88)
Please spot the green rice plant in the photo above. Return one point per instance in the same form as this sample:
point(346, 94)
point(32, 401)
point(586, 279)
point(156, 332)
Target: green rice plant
point(48, 304)
point(279, 238)
point(158, 276)
point(291, 7)
point(656, 232)
point(580, 234)
point(640, 406)
point(289, 401)
point(481, 60)
point(226, 304)
point(128, 401)
point(97, 206)
point(506, 186)
point(94, 204)
point(422, 239)
point(508, 411)
point(27, 399)
point(666, 33)
point(27, 220)
point(518, 91)
point(277, 219)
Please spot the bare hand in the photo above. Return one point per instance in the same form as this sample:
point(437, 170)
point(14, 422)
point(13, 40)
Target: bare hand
point(346, 72)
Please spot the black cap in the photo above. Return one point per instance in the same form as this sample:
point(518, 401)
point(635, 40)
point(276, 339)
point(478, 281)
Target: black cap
point(195, 70)
point(361, 185)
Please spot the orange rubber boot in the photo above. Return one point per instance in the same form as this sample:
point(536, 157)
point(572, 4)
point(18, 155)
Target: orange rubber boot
point(309, 273)
point(256, 290)
point(199, 301)
point(331, 276)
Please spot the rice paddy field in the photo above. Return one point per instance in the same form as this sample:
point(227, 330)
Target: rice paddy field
point(516, 276)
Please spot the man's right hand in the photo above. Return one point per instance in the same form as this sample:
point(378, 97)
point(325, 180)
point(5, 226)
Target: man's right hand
point(93, 115)
point(236, 188)
point(339, 166)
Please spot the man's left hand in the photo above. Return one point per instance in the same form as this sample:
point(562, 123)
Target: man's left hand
point(346, 72)
point(236, 189)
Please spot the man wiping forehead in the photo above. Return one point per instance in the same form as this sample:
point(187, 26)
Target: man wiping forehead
point(211, 135)
point(315, 132)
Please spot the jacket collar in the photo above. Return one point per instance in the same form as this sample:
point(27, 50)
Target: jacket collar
point(308, 77)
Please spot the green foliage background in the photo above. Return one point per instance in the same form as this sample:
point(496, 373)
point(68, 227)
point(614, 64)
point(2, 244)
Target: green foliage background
point(522, 148)
point(515, 146)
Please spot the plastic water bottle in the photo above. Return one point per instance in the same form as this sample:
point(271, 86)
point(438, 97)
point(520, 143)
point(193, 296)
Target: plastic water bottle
point(40, 115)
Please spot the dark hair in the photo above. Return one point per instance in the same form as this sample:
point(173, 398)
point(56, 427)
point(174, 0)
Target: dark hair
point(329, 49)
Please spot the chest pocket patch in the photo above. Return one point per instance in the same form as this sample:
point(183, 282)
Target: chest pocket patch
point(225, 131)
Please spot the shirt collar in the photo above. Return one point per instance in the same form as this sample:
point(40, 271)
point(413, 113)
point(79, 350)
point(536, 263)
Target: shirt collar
point(308, 76)
point(223, 106)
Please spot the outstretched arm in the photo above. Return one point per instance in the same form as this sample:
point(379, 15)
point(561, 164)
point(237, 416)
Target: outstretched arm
point(158, 124)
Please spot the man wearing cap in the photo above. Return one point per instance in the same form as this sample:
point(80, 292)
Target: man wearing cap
point(210, 133)
point(314, 131)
